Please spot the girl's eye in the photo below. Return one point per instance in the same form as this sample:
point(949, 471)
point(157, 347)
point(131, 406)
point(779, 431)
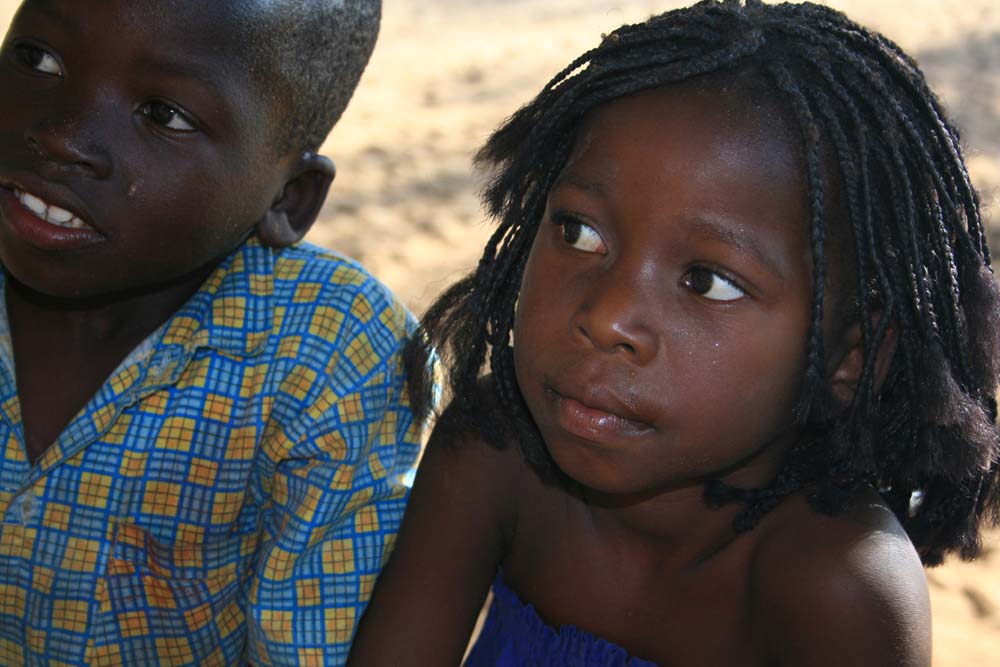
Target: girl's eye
point(38, 59)
point(579, 235)
point(168, 116)
point(711, 285)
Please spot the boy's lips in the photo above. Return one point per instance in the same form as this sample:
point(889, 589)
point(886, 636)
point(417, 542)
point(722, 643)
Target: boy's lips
point(50, 213)
point(43, 223)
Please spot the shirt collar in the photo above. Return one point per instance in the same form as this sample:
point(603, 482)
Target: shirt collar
point(232, 311)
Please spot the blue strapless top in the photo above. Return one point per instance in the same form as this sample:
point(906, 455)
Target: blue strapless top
point(514, 635)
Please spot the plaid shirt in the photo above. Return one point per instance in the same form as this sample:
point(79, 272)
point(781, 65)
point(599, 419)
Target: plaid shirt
point(231, 491)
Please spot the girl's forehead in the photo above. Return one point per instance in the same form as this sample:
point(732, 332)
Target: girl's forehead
point(718, 147)
point(703, 126)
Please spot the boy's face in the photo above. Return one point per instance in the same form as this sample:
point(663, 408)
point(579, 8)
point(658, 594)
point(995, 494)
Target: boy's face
point(136, 150)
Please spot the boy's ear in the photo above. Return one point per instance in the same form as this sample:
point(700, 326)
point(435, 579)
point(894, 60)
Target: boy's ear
point(848, 367)
point(295, 211)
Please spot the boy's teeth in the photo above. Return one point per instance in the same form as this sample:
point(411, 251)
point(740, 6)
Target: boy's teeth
point(48, 212)
point(58, 215)
point(33, 204)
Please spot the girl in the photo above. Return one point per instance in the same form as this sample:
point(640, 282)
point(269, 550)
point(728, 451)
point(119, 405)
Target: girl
point(743, 342)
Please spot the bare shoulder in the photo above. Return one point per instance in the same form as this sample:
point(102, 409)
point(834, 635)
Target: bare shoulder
point(458, 446)
point(465, 490)
point(839, 590)
point(458, 523)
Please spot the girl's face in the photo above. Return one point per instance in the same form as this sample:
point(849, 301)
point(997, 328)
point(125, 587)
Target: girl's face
point(662, 321)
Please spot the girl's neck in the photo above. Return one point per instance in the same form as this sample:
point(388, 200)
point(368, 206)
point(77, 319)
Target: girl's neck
point(675, 526)
point(677, 523)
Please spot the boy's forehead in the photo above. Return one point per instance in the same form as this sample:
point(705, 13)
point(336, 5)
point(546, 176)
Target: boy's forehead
point(211, 42)
point(208, 39)
point(223, 24)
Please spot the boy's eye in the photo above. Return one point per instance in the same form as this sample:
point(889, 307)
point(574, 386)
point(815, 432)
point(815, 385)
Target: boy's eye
point(38, 59)
point(579, 235)
point(711, 285)
point(168, 116)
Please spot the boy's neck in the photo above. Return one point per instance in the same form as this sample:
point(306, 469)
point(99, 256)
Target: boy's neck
point(95, 323)
point(65, 350)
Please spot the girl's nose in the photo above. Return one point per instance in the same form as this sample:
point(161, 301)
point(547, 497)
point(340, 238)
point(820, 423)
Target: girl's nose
point(71, 142)
point(616, 316)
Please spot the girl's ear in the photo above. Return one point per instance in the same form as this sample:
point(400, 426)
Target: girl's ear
point(295, 211)
point(848, 367)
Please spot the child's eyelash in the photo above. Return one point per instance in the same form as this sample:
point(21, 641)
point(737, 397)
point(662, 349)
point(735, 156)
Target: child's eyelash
point(577, 233)
point(720, 286)
point(38, 59)
point(560, 218)
point(169, 116)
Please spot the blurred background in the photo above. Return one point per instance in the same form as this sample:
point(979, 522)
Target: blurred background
point(445, 72)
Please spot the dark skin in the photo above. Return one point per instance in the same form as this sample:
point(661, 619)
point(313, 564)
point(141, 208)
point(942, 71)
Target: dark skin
point(136, 152)
point(659, 341)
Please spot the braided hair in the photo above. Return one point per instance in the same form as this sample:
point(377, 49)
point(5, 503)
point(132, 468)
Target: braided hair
point(926, 438)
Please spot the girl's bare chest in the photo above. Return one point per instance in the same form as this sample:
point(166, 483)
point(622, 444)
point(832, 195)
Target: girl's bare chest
point(691, 614)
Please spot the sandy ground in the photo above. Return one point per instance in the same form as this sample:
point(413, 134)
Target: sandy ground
point(446, 72)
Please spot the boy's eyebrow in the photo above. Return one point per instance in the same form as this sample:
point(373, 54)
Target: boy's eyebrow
point(186, 69)
point(736, 236)
point(69, 21)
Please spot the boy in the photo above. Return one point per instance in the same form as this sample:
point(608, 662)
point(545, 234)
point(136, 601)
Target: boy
point(203, 442)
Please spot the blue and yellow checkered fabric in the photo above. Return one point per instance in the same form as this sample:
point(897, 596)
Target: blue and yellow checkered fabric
point(231, 491)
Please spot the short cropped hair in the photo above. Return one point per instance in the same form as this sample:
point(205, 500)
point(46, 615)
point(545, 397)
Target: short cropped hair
point(316, 51)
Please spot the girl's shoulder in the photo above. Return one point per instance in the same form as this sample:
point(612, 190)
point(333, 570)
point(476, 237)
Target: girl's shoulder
point(459, 434)
point(461, 454)
point(459, 522)
point(843, 589)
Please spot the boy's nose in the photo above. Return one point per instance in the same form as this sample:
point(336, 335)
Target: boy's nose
point(65, 141)
point(616, 316)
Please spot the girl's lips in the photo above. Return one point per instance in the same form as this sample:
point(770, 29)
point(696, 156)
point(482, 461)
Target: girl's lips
point(594, 424)
point(44, 225)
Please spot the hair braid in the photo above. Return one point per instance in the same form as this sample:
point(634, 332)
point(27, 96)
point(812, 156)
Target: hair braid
point(810, 133)
point(925, 434)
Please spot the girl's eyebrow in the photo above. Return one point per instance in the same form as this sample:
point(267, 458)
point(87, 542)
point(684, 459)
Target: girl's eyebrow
point(572, 180)
point(735, 235)
point(730, 233)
